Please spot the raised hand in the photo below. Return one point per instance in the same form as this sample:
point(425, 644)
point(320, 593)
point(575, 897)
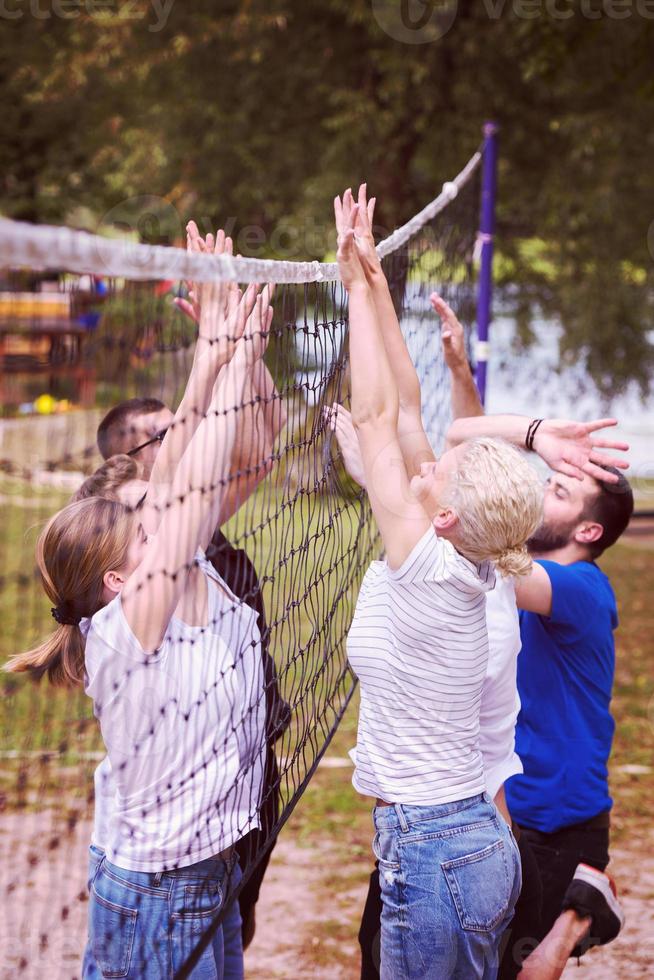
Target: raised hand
point(340, 422)
point(452, 336)
point(221, 244)
point(572, 449)
point(224, 313)
point(347, 256)
point(363, 236)
point(256, 327)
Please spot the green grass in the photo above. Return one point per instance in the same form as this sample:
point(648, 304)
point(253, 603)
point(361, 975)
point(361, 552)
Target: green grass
point(631, 571)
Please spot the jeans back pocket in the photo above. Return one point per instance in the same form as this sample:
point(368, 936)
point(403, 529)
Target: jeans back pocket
point(480, 886)
point(111, 935)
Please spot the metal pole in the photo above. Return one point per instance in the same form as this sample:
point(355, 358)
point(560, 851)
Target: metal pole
point(486, 233)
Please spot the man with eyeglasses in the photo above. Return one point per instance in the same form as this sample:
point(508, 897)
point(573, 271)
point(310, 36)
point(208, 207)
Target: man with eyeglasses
point(137, 427)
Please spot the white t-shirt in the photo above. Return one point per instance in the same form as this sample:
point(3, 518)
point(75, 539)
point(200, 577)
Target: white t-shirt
point(500, 704)
point(419, 646)
point(184, 730)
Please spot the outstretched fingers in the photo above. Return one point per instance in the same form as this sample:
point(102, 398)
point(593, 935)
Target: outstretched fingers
point(364, 213)
point(338, 214)
point(571, 469)
point(343, 212)
point(603, 460)
point(577, 462)
point(610, 444)
point(371, 210)
point(599, 424)
point(599, 473)
point(443, 309)
point(257, 328)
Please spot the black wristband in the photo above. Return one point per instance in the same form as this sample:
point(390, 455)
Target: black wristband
point(531, 433)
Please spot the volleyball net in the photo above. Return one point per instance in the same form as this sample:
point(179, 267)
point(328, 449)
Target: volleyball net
point(85, 324)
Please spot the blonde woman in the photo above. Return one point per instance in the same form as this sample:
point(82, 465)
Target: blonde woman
point(449, 868)
point(159, 661)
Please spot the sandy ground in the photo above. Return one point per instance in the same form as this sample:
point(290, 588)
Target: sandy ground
point(306, 925)
point(292, 897)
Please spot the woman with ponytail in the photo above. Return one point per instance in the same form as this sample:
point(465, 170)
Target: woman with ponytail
point(75, 550)
point(449, 868)
point(166, 653)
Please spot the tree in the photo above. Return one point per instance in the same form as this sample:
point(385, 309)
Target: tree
point(254, 113)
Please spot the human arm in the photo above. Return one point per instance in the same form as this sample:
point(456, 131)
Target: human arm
point(213, 351)
point(465, 397)
point(415, 445)
point(152, 591)
point(260, 421)
point(533, 592)
point(464, 394)
point(568, 447)
point(375, 408)
point(571, 597)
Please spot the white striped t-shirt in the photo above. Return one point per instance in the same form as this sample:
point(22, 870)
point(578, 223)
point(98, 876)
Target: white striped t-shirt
point(184, 730)
point(419, 646)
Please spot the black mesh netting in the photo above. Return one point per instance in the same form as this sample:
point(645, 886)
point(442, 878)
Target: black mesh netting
point(295, 552)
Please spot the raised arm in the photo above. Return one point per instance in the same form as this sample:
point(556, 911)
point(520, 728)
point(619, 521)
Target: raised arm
point(375, 406)
point(153, 590)
point(212, 352)
point(260, 420)
point(464, 395)
point(413, 440)
point(568, 447)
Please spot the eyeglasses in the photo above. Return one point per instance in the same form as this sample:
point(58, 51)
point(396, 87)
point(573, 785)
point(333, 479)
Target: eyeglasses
point(158, 437)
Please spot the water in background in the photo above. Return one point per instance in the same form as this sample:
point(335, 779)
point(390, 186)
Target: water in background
point(529, 383)
point(520, 382)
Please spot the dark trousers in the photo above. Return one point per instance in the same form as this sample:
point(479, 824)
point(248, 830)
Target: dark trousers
point(522, 935)
point(557, 856)
point(549, 862)
point(257, 846)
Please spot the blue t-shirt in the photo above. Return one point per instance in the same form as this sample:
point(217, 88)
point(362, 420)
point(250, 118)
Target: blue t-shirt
point(565, 678)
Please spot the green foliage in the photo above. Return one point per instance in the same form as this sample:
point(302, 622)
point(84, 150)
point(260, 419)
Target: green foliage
point(252, 114)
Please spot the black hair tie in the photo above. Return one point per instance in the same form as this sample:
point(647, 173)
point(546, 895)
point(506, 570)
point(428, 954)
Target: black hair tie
point(531, 433)
point(64, 615)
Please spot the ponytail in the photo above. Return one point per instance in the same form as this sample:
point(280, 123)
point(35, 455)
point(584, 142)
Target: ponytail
point(61, 657)
point(75, 549)
point(498, 499)
point(514, 562)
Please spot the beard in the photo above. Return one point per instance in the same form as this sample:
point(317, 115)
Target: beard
point(550, 537)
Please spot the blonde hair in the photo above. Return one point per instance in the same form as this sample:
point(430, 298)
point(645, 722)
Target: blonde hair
point(75, 549)
point(109, 478)
point(498, 499)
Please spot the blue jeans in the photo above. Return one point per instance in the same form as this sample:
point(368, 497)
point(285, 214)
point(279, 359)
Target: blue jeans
point(145, 925)
point(450, 877)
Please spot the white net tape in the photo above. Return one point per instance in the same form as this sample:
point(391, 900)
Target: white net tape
point(50, 247)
